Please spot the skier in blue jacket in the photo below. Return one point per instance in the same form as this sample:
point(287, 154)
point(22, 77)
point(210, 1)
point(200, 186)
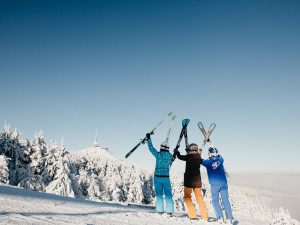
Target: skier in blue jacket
point(161, 176)
point(217, 179)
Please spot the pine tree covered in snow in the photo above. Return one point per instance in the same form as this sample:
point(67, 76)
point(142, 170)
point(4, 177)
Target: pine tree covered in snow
point(282, 217)
point(50, 163)
point(23, 161)
point(35, 180)
point(62, 183)
point(56, 173)
point(9, 147)
point(3, 170)
point(17, 151)
point(148, 187)
point(39, 150)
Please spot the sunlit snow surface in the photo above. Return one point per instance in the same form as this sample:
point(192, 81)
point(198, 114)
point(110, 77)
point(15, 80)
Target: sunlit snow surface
point(19, 206)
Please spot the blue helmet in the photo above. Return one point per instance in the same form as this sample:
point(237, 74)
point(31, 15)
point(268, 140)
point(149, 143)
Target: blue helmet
point(212, 152)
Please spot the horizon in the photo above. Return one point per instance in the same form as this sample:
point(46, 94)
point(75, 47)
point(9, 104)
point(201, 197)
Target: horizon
point(179, 168)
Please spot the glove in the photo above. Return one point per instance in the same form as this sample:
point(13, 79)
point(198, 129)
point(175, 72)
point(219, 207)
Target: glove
point(148, 136)
point(176, 152)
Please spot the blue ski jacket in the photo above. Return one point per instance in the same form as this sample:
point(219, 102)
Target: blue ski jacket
point(163, 160)
point(215, 170)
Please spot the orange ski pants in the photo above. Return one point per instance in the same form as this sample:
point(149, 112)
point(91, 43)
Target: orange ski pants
point(191, 208)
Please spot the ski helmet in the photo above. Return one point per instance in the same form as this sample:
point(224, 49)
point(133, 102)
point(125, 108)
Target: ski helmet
point(212, 152)
point(192, 147)
point(164, 146)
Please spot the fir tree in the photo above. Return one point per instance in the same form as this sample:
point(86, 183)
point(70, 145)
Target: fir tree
point(4, 170)
point(35, 180)
point(62, 182)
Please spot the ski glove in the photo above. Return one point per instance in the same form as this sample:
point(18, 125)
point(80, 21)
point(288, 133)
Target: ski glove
point(148, 136)
point(176, 152)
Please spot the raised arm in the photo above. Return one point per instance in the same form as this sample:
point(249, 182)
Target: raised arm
point(151, 148)
point(205, 162)
point(181, 157)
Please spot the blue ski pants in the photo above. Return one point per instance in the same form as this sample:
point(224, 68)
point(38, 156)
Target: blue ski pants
point(223, 190)
point(163, 186)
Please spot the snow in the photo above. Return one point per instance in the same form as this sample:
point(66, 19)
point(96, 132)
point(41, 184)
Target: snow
point(93, 186)
point(94, 153)
point(31, 207)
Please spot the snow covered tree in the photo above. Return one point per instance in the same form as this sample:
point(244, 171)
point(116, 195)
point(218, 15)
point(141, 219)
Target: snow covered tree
point(82, 178)
point(23, 160)
point(12, 148)
point(147, 187)
point(52, 156)
point(62, 182)
point(39, 149)
point(132, 184)
point(282, 217)
point(94, 189)
point(35, 180)
point(4, 170)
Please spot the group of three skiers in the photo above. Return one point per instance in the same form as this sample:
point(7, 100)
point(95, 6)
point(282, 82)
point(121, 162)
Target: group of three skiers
point(192, 180)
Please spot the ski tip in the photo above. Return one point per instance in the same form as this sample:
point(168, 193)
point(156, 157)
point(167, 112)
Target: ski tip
point(170, 113)
point(173, 118)
point(212, 126)
point(200, 125)
point(185, 122)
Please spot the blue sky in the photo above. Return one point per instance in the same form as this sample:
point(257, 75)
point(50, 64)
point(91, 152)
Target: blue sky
point(69, 67)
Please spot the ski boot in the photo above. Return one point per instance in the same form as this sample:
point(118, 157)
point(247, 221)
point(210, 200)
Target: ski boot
point(170, 214)
point(231, 221)
point(220, 220)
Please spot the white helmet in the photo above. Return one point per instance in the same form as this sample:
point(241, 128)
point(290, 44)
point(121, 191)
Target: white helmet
point(212, 152)
point(165, 146)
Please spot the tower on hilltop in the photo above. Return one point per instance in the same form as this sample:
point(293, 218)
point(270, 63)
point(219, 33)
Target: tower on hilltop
point(96, 141)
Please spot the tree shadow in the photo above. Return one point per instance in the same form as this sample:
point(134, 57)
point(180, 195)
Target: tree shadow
point(24, 193)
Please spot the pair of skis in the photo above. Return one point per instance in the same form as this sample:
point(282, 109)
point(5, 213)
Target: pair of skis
point(206, 134)
point(206, 138)
point(183, 132)
point(143, 141)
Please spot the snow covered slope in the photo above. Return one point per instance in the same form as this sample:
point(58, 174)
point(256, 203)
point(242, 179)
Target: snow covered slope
point(94, 153)
point(96, 174)
point(21, 206)
point(103, 176)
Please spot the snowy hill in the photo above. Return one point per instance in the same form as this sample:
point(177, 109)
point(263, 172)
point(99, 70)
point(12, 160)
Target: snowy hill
point(96, 174)
point(93, 153)
point(113, 179)
point(31, 207)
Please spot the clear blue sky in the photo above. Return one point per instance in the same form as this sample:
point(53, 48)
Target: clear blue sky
point(69, 67)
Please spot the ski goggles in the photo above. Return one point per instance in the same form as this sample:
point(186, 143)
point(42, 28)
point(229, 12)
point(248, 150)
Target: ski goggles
point(193, 148)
